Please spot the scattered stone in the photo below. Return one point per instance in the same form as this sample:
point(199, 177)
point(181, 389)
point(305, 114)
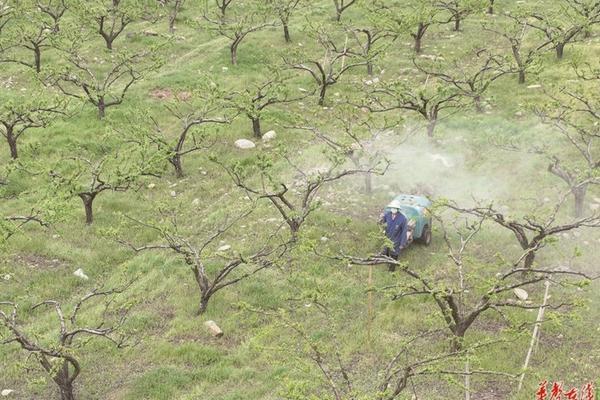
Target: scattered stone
point(80, 274)
point(368, 82)
point(224, 69)
point(324, 239)
point(151, 186)
point(519, 113)
point(214, 328)
point(302, 90)
point(55, 236)
point(6, 277)
point(173, 193)
point(521, 294)
point(270, 135)
point(225, 247)
point(6, 392)
point(149, 33)
point(196, 202)
point(244, 144)
point(546, 199)
point(375, 80)
point(534, 86)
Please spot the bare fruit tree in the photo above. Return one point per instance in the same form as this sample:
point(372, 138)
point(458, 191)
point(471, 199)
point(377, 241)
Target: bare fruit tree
point(59, 359)
point(563, 23)
point(249, 17)
point(425, 96)
point(326, 69)
point(517, 34)
point(193, 110)
point(213, 269)
point(461, 299)
point(341, 6)
point(106, 85)
point(295, 198)
point(25, 113)
point(573, 113)
point(471, 78)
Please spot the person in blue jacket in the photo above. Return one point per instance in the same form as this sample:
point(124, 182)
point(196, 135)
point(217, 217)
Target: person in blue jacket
point(396, 229)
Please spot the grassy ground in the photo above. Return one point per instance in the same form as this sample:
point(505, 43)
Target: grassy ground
point(260, 356)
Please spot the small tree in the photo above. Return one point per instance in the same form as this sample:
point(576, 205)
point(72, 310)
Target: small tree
point(32, 27)
point(256, 98)
point(514, 32)
point(59, 360)
point(375, 36)
point(294, 199)
point(327, 69)
point(87, 176)
point(284, 9)
point(103, 83)
point(460, 9)
point(471, 78)
point(112, 17)
point(351, 132)
point(462, 300)
point(574, 114)
point(250, 16)
point(490, 9)
point(562, 25)
point(19, 115)
point(341, 6)
point(212, 271)
point(205, 105)
point(427, 99)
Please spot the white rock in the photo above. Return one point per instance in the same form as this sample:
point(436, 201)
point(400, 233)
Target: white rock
point(151, 186)
point(6, 277)
point(6, 392)
point(521, 294)
point(173, 193)
point(225, 247)
point(324, 239)
point(55, 236)
point(244, 144)
point(534, 86)
point(302, 90)
point(80, 274)
point(224, 69)
point(270, 135)
point(375, 80)
point(195, 202)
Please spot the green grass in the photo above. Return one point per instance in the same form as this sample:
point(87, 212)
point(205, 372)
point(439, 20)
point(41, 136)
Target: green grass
point(259, 357)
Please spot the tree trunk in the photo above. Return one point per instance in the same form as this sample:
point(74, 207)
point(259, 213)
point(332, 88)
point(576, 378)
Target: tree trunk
point(66, 392)
point(12, 143)
point(579, 194)
point(478, 106)
point(176, 162)
point(88, 201)
point(560, 48)
point(101, 108)
point(203, 304)
point(529, 259)
point(418, 37)
point(233, 49)
point(286, 33)
point(431, 127)
point(368, 183)
point(369, 67)
point(338, 15)
point(490, 9)
point(256, 127)
point(521, 76)
point(322, 94)
point(456, 24)
point(37, 53)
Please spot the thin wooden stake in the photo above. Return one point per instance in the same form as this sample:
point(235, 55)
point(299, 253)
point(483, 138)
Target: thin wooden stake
point(534, 335)
point(370, 303)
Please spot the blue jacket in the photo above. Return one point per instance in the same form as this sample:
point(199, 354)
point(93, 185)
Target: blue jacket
point(396, 230)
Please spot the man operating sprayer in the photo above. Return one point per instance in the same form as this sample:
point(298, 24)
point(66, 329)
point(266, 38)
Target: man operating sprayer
point(396, 229)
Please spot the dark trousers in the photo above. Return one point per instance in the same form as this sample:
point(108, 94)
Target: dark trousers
point(389, 252)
